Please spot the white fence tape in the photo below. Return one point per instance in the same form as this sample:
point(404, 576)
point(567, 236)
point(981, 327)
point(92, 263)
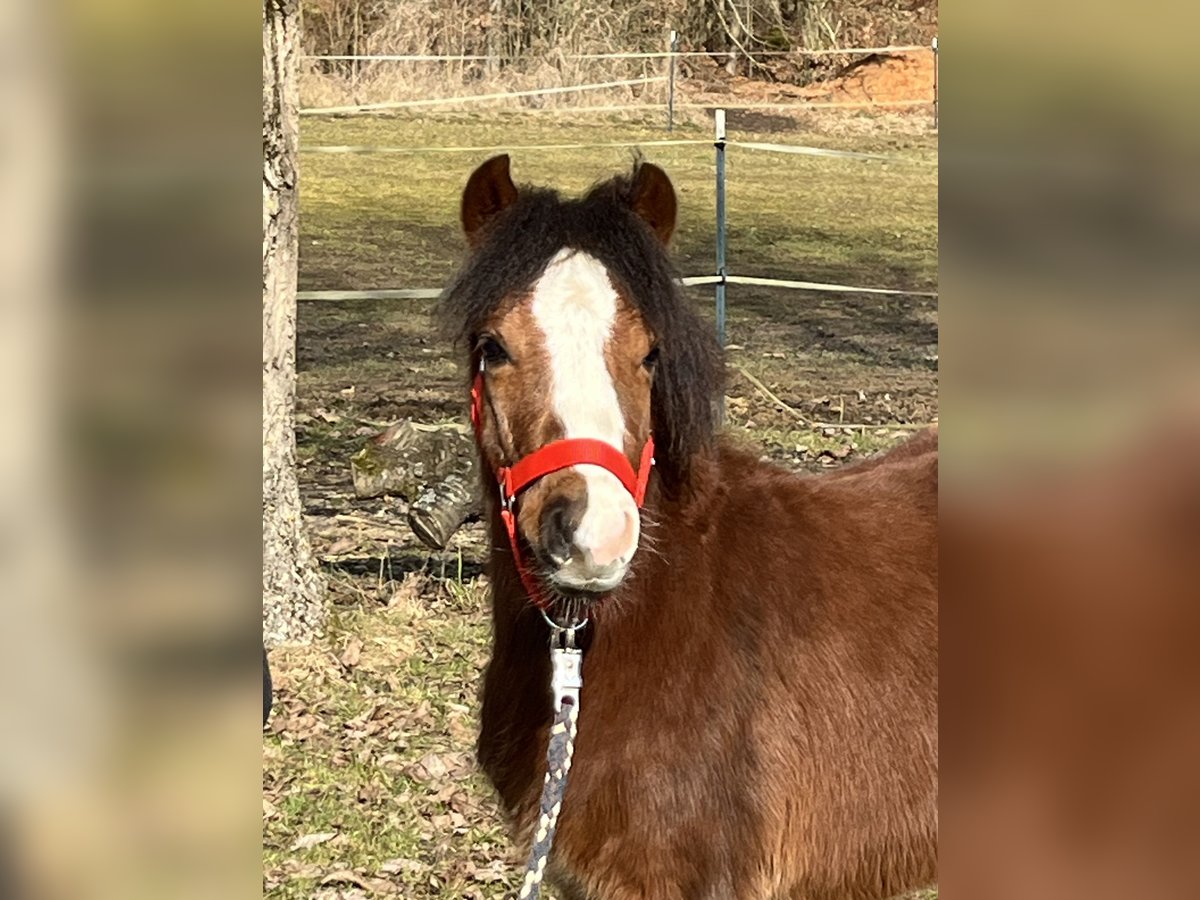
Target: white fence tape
point(401, 57)
point(689, 281)
point(822, 151)
point(800, 106)
point(648, 108)
point(505, 148)
point(653, 54)
point(822, 286)
point(402, 294)
point(478, 98)
point(602, 145)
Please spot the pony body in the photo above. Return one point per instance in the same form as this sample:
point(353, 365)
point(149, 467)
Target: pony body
point(759, 710)
point(758, 716)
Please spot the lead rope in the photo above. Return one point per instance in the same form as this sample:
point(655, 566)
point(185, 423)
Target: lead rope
point(566, 679)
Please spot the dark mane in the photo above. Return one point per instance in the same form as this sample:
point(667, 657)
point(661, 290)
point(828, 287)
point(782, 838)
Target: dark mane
point(522, 240)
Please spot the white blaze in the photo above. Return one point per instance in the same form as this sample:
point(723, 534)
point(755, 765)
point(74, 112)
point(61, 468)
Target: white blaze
point(574, 305)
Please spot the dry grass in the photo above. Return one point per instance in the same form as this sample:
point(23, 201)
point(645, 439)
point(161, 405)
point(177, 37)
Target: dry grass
point(369, 783)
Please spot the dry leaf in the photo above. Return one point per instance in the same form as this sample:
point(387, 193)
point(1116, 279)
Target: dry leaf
point(836, 452)
point(399, 866)
point(344, 876)
point(353, 653)
point(409, 589)
point(297, 869)
point(341, 545)
point(306, 841)
point(431, 767)
point(489, 874)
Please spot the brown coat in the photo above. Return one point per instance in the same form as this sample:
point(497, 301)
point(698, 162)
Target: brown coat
point(759, 711)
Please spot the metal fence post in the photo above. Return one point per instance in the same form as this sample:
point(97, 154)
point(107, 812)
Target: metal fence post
point(719, 121)
point(935, 82)
point(672, 49)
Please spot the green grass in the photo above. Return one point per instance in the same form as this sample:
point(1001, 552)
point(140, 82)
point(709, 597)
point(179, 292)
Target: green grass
point(382, 221)
point(368, 770)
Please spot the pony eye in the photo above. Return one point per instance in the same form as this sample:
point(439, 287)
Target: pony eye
point(492, 351)
point(651, 359)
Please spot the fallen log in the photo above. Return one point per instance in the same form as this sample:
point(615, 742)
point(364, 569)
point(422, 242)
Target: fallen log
point(406, 457)
point(432, 467)
point(440, 509)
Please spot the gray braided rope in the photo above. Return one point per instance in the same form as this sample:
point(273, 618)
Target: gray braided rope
point(558, 763)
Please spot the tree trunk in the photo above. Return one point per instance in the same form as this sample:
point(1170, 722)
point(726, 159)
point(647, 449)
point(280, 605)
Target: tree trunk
point(293, 589)
point(493, 34)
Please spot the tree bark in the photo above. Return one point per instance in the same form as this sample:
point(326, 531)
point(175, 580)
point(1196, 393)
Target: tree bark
point(293, 589)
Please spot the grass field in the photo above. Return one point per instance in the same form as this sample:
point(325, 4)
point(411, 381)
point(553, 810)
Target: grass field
point(369, 783)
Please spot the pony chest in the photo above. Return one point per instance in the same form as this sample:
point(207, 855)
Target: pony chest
point(647, 747)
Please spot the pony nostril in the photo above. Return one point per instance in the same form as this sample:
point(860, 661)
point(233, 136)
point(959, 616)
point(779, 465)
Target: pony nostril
point(558, 530)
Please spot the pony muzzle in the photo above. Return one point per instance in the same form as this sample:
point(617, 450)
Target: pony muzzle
point(587, 530)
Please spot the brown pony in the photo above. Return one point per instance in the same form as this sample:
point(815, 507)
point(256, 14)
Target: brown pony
point(759, 710)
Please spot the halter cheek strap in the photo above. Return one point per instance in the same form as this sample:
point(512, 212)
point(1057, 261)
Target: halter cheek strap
point(553, 457)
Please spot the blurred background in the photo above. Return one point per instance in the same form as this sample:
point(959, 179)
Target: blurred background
point(1056, 178)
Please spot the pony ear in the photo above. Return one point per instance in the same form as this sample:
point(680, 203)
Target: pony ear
point(653, 199)
point(490, 190)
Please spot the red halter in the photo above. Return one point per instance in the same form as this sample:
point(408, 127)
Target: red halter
point(552, 457)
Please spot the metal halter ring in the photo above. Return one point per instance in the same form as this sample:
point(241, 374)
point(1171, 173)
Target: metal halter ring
point(565, 632)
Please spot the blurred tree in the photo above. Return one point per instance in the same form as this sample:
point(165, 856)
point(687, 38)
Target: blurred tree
point(293, 588)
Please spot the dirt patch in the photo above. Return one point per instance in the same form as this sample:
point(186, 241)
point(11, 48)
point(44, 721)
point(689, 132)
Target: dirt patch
point(901, 82)
point(886, 79)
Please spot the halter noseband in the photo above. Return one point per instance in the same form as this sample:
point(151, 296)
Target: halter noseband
point(552, 457)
